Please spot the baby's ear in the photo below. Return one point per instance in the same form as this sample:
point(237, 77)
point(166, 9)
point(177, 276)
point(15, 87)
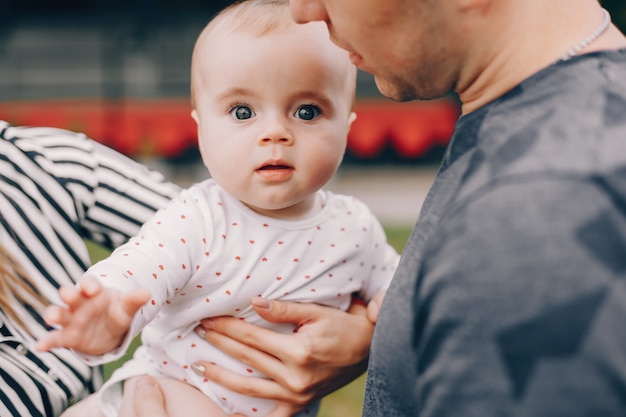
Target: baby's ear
point(351, 118)
point(194, 116)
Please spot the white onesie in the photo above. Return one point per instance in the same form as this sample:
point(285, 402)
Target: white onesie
point(207, 254)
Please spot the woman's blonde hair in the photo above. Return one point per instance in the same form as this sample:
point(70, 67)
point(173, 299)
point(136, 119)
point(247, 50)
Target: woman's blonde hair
point(16, 287)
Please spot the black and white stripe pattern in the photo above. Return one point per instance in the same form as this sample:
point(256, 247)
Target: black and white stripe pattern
point(58, 188)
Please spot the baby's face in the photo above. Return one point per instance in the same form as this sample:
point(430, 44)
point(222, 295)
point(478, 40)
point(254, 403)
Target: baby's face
point(273, 114)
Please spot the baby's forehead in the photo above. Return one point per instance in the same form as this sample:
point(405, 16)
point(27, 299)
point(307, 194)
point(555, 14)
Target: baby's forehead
point(254, 20)
point(263, 38)
point(225, 40)
point(243, 45)
point(221, 33)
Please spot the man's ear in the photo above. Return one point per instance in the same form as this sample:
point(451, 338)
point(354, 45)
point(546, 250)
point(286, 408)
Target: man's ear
point(194, 116)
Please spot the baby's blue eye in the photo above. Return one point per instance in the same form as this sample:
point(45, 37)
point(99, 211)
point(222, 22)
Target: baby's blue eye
point(308, 112)
point(242, 112)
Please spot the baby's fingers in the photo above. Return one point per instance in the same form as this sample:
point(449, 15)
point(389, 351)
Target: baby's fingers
point(56, 316)
point(133, 300)
point(89, 286)
point(122, 310)
point(70, 296)
point(51, 340)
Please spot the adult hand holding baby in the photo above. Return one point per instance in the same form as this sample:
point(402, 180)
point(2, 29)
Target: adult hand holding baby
point(302, 366)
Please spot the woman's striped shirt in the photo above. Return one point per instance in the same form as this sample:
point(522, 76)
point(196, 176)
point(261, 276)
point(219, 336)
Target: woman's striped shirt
point(58, 188)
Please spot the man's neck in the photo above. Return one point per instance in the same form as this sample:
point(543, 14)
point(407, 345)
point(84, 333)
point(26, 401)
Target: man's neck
point(525, 40)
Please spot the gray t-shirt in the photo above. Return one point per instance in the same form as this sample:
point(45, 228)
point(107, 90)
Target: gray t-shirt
point(510, 297)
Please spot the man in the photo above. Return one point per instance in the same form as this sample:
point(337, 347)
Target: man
point(510, 297)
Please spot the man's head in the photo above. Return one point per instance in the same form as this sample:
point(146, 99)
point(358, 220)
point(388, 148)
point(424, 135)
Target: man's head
point(409, 45)
point(423, 49)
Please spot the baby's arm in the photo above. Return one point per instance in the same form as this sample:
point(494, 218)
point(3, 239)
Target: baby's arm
point(95, 319)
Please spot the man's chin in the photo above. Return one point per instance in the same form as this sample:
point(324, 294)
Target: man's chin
point(394, 91)
point(398, 90)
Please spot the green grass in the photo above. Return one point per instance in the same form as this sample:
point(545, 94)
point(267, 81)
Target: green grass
point(346, 402)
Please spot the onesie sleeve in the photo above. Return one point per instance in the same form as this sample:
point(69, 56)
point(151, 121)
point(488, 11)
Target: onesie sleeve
point(383, 260)
point(161, 259)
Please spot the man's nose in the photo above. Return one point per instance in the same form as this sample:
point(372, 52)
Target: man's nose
point(304, 11)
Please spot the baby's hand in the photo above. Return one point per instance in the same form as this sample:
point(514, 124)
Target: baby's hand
point(94, 321)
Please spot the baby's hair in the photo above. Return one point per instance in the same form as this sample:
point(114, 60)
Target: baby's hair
point(258, 17)
point(16, 287)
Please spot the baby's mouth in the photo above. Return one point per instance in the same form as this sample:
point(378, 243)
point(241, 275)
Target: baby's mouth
point(270, 167)
point(275, 172)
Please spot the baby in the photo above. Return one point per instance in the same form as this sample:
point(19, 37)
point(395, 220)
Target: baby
point(273, 103)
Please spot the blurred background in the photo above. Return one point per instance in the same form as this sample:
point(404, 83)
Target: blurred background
point(118, 70)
